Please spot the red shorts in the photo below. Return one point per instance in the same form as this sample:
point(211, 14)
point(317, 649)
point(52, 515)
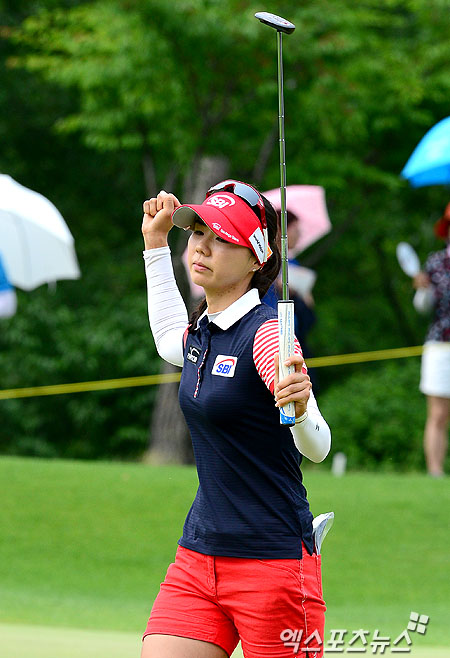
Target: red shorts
point(275, 607)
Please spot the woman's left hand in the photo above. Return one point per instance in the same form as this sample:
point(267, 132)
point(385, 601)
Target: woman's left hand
point(293, 388)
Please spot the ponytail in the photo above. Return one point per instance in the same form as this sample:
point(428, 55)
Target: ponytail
point(196, 313)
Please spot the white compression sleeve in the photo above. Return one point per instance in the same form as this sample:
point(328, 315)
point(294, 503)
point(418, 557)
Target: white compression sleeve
point(312, 436)
point(166, 309)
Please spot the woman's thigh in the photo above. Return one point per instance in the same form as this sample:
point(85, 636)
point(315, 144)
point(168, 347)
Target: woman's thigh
point(170, 646)
point(277, 605)
point(186, 612)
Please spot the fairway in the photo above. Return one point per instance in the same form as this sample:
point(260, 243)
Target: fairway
point(84, 546)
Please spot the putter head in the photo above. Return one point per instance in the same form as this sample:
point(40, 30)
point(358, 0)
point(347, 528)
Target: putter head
point(278, 23)
point(321, 526)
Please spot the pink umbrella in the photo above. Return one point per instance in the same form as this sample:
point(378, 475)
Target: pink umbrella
point(308, 203)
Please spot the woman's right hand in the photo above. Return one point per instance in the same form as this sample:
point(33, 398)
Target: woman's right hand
point(157, 220)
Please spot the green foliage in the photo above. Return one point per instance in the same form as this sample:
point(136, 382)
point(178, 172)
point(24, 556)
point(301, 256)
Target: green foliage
point(179, 77)
point(377, 415)
point(90, 90)
point(53, 341)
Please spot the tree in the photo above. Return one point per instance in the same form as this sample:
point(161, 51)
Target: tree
point(169, 435)
point(170, 83)
point(176, 81)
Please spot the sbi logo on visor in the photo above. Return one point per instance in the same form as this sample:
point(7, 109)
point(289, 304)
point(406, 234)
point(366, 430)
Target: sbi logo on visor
point(220, 201)
point(224, 365)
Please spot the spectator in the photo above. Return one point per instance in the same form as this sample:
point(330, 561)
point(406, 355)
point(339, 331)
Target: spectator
point(433, 294)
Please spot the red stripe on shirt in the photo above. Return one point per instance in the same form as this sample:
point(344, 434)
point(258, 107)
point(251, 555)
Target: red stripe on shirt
point(265, 346)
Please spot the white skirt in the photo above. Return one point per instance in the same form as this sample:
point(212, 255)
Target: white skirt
point(435, 370)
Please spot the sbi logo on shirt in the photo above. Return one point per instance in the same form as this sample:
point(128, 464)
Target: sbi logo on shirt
point(224, 365)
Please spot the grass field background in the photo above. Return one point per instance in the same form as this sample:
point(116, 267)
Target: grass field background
point(84, 547)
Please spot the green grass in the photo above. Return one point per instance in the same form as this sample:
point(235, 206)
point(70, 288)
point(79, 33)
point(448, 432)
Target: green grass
point(46, 642)
point(86, 545)
point(22, 641)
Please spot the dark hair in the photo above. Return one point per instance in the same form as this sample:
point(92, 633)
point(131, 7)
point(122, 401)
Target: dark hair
point(290, 216)
point(266, 275)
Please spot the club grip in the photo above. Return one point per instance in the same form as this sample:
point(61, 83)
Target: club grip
point(286, 349)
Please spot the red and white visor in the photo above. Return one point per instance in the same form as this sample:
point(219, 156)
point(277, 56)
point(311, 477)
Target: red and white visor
point(230, 218)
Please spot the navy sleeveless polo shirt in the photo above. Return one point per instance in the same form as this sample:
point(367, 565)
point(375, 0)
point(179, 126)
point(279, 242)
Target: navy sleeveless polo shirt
point(250, 501)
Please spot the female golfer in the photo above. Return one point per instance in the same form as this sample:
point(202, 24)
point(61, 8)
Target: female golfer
point(246, 567)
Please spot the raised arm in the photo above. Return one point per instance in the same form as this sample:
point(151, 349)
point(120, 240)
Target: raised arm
point(166, 309)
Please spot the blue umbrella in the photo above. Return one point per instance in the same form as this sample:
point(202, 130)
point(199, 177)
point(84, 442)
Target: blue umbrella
point(4, 281)
point(429, 163)
point(8, 299)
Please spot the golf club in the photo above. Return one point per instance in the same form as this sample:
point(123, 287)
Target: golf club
point(285, 305)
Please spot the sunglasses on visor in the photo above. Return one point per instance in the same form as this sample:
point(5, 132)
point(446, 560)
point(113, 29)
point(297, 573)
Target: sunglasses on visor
point(245, 192)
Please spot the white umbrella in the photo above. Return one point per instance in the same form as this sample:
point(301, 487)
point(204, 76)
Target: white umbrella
point(35, 242)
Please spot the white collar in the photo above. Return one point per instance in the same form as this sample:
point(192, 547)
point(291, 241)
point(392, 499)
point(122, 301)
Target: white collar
point(225, 319)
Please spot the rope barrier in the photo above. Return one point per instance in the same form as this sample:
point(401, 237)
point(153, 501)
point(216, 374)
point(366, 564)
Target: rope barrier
point(363, 357)
point(102, 385)
point(152, 380)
